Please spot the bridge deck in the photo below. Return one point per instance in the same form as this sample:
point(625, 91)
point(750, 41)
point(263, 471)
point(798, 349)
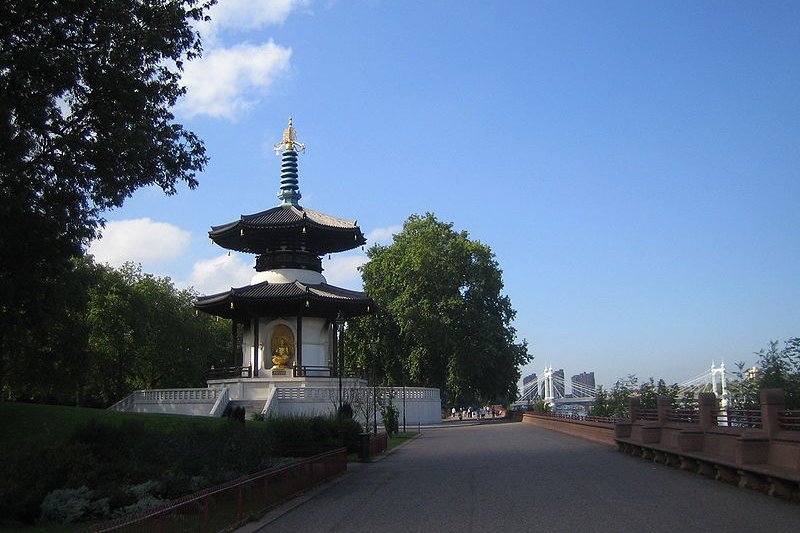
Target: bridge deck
point(517, 477)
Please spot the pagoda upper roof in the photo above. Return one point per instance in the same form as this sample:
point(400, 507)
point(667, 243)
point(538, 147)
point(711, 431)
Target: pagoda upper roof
point(291, 226)
point(287, 299)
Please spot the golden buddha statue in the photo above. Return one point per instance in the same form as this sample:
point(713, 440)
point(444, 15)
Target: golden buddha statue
point(282, 346)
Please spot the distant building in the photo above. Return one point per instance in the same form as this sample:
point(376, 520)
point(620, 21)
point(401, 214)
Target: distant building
point(529, 387)
point(558, 383)
point(582, 384)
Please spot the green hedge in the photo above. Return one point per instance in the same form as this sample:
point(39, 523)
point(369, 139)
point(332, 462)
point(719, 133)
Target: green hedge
point(104, 462)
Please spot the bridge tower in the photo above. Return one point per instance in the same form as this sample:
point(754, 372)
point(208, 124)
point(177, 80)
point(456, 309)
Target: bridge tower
point(549, 395)
point(719, 388)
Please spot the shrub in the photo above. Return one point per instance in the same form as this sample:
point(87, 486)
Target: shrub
point(390, 416)
point(346, 411)
point(234, 413)
point(301, 436)
point(73, 505)
point(350, 430)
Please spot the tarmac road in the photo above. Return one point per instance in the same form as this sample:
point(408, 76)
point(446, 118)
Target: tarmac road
point(517, 477)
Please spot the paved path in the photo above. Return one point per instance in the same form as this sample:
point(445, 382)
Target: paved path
point(516, 477)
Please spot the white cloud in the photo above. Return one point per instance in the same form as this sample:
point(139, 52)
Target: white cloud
point(227, 81)
point(251, 14)
point(139, 240)
point(383, 235)
point(342, 270)
point(220, 274)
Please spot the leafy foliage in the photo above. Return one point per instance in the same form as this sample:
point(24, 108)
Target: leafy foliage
point(293, 435)
point(443, 321)
point(89, 462)
point(72, 505)
point(390, 416)
point(84, 121)
point(103, 452)
point(116, 330)
point(614, 402)
point(540, 406)
point(776, 368)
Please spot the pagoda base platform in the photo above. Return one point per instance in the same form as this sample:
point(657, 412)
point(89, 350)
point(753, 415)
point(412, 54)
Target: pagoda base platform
point(287, 396)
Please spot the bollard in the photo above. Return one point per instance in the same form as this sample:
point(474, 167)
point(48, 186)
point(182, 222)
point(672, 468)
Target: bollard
point(664, 404)
point(634, 405)
point(707, 407)
point(364, 453)
point(772, 405)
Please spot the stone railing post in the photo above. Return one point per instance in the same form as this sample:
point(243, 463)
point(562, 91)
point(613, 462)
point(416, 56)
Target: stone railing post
point(634, 406)
point(772, 405)
point(707, 409)
point(664, 404)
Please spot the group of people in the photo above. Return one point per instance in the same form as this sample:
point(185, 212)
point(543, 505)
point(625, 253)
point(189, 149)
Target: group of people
point(469, 412)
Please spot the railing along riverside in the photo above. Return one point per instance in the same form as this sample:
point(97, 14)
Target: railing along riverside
point(740, 418)
point(755, 449)
point(580, 418)
point(227, 506)
point(686, 416)
point(648, 414)
point(790, 420)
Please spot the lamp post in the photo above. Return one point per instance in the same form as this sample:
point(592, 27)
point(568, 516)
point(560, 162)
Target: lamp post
point(374, 389)
point(340, 332)
point(405, 364)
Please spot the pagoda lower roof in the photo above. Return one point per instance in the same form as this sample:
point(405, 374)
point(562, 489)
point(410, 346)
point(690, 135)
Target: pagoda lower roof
point(286, 299)
point(288, 226)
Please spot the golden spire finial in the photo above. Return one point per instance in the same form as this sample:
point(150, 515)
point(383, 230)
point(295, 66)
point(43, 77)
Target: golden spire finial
point(289, 141)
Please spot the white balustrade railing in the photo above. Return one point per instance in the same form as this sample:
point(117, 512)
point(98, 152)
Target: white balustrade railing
point(315, 394)
point(222, 402)
point(180, 395)
point(157, 396)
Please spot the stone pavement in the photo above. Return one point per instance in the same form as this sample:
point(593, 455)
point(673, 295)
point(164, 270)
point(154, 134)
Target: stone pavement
point(516, 477)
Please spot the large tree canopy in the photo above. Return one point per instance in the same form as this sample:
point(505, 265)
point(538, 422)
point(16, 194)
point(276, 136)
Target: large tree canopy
point(87, 87)
point(444, 321)
point(112, 331)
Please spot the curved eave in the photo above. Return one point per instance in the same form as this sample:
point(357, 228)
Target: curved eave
point(283, 226)
point(286, 299)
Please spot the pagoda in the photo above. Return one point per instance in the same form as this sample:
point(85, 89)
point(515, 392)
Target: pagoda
point(289, 319)
point(289, 314)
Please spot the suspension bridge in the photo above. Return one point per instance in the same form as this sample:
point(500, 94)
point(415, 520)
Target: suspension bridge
point(551, 388)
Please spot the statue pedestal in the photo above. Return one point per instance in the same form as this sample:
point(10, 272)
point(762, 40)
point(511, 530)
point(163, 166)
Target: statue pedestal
point(280, 372)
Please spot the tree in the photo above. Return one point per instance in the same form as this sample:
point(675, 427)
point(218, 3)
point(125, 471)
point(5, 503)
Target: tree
point(614, 403)
point(143, 334)
point(443, 321)
point(113, 331)
point(56, 357)
point(85, 120)
point(777, 368)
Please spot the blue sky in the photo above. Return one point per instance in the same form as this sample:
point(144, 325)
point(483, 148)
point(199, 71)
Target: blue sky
point(635, 166)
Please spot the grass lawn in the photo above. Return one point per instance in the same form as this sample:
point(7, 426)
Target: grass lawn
point(400, 438)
